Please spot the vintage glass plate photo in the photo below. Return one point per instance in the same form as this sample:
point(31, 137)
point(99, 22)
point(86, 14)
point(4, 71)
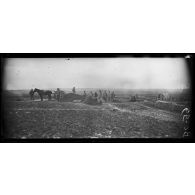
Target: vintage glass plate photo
point(97, 97)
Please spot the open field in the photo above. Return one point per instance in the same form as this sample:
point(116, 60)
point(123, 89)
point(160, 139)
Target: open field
point(52, 119)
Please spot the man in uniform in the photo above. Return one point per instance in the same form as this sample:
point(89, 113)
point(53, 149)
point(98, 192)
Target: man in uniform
point(58, 94)
point(96, 95)
point(100, 94)
point(31, 93)
point(109, 96)
point(105, 96)
point(112, 96)
point(73, 90)
point(84, 94)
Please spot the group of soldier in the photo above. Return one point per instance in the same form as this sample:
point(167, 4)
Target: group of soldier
point(165, 97)
point(106, 96)
point(103, 95)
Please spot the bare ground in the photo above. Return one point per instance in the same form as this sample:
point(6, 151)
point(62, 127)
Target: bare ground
point(50, 119)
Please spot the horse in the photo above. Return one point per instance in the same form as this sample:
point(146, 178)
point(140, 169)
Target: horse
point(43, 93)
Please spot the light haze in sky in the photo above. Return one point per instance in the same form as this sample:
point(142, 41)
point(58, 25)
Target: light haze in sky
point(121, 73)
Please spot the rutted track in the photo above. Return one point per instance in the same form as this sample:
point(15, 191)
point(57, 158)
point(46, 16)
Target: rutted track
point(150, 112)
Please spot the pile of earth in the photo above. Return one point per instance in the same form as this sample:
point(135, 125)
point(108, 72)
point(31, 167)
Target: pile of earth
point(164, 105)
point(92, 101)
point(171, 106)
point(69, 97)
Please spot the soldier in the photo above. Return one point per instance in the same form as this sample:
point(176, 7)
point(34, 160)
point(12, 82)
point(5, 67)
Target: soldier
point(105, 96)
point(159, 96)
point(109, 96)
point(85, 94)
point(62, 94)
point(96, 95)
point(58, 94)
point(91, 94)
point(112, 96)
point(73, 90)
point(31, 93)
point(100, 94)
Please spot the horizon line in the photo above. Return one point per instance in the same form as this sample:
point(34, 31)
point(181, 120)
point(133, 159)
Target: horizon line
point(103, 88)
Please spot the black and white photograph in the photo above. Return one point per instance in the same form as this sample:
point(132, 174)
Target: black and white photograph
point(99, 97)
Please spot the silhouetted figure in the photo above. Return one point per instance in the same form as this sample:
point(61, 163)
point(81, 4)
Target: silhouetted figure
point(132, 98)
point(161, 96)
point(85, 94)
point(73, 90)
point(31, 93)
point(58, 94)
point(96, 95)
point(112, 96)
point(105, 96)
point(109, 96)
point(100, 94)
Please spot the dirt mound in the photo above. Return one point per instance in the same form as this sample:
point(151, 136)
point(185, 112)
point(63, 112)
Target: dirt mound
point(92, 101)
point(169, 106)
point(69, 97)
point(164, 105)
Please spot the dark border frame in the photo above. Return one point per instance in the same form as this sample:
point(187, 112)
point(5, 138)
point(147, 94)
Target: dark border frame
point(191, 65)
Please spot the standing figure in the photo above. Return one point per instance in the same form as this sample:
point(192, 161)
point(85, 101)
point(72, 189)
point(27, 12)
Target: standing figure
point(62, 94)
point(73, 90)
point(105, 96)
point(58, 94)
point(96, 95)
point(112, 96)
point(109, 96)
point(84, 93)
point(100, 94)
point(31, 93)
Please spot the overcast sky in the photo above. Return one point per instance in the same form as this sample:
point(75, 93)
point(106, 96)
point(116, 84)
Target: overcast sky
point(126, 73)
